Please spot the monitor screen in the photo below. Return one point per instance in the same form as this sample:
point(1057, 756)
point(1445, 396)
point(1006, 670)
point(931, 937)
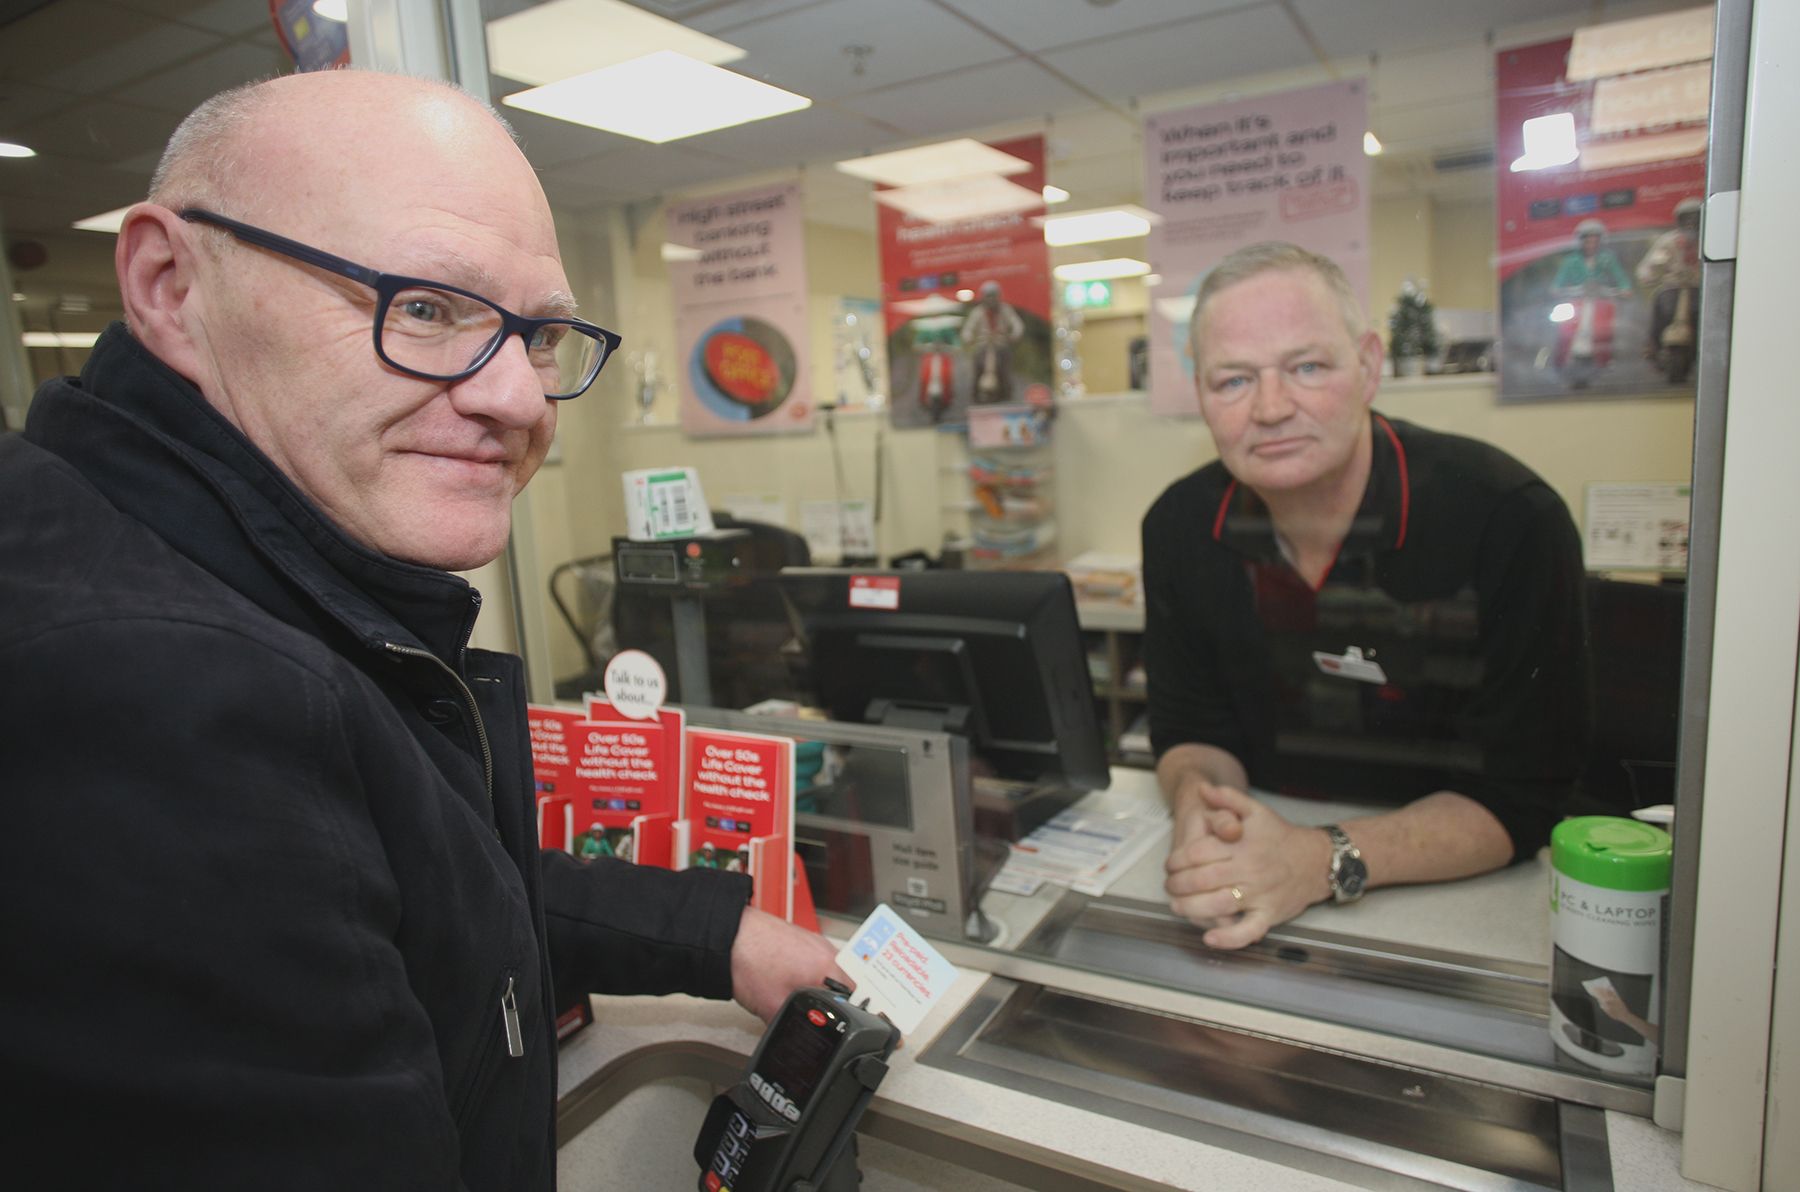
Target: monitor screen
point(993, 655)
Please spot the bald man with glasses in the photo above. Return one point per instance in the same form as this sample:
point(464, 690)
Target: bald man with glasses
point(272, 893)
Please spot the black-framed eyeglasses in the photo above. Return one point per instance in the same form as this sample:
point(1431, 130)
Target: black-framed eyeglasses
point(442, 333)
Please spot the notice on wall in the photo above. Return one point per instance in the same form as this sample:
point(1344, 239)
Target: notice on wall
point(1288, 166)
point(966, 296)
point(737, 272)
point(1631, 527)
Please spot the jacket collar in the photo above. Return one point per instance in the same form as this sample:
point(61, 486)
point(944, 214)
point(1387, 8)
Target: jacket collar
point(154, 446)
point(1241, 520)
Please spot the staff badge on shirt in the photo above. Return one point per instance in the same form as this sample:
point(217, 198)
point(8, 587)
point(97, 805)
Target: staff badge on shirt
point(1350, 665)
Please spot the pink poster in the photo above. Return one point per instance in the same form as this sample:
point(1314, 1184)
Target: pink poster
point(737, 272)
point(1287, 166)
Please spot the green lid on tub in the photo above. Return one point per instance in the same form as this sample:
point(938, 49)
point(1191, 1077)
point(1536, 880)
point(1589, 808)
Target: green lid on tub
point(1612, 853)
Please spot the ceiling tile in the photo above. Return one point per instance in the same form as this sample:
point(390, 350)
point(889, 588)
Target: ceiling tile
point(230, 17)
point(909, 39)
point(548, 141)
point(721, 19)
point(794, 138)
point(81, 46)
point(1031, 27)
point(1231, 45)
point(21, 104)
point(984, 95)
point(181, 89)
point(635, 173)
point(1357, 30)
point(100, 131)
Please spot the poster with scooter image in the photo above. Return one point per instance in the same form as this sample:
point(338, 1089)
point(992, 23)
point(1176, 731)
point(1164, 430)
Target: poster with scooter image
point(1598, 230)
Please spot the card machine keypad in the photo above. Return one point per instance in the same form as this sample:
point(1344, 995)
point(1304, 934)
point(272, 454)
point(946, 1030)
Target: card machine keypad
point(789, 1123)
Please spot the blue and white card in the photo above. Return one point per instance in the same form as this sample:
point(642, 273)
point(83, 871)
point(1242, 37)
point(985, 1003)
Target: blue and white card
point(902, 976)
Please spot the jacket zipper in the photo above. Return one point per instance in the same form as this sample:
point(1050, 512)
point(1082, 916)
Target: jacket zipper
point(509, 1015)
point(488, 1059)
point(468, 697)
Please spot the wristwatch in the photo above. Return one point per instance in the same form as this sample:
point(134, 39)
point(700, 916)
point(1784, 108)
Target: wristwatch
point(1349, 875)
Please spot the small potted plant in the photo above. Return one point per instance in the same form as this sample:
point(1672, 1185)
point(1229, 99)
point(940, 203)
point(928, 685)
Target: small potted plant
point(1412, 331)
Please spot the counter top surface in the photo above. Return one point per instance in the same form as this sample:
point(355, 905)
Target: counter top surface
point(1644, 1157)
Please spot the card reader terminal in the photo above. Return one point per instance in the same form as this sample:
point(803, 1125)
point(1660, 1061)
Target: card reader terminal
point(788, 1125)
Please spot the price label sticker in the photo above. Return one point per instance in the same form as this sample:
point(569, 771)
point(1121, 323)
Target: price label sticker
point(635, 684)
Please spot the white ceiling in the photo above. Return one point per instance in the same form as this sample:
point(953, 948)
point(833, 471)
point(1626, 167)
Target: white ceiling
point(95, 86)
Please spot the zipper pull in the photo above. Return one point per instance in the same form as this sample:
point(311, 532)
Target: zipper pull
point(509, 1013)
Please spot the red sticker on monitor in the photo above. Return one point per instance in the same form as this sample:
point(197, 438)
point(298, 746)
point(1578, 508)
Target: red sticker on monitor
point(875, 591)
point(741, 367)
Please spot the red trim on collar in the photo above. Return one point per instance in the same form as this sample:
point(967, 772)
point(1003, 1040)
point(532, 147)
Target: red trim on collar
point(1224, 508)
point(1405, 484)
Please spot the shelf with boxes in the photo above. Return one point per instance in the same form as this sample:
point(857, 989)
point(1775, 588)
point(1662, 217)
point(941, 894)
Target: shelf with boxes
point(1112, 620)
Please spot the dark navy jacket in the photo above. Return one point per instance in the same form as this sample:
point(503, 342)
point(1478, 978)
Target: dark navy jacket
point(268, 868)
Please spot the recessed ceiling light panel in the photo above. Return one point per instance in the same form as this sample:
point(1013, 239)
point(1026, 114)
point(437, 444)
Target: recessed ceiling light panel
point(1089, 227)
point(565, 38)
point(1102, 270)
point(934, 163)
point(658, 98)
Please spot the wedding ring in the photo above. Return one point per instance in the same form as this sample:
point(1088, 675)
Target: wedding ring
point(1237, 895)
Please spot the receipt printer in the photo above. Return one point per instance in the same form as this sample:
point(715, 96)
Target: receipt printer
point(789, 1124)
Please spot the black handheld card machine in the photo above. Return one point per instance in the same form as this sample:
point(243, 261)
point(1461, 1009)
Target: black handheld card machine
point(788, 1125)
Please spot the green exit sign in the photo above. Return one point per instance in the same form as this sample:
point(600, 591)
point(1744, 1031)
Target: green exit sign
point(1087, 295)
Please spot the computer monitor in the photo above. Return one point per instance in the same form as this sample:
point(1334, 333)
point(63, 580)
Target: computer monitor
point(993, 655)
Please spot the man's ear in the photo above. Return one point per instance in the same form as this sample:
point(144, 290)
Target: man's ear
point(155, 261)
point(1372, 354)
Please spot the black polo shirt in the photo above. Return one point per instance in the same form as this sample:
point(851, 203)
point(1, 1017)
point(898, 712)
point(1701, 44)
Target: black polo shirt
point(1445, 649)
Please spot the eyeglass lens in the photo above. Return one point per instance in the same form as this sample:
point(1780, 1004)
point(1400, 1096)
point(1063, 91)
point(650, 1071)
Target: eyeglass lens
point(443, 334)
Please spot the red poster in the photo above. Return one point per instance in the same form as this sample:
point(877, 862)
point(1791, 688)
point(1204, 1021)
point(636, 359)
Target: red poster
point(607, 786)
point(967, 301)
point(739, 794)
point(1598, 227)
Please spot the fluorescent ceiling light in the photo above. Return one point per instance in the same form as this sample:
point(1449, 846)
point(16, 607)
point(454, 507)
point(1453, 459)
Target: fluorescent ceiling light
point(1372, 144)
point(931, 304)
point(958, 199)
point(1655, 100)
point(680, 252)
point(565, 38)
point(1549, 141)
point(332, 10)
point(1562, 312)
point(658, 98)
point(106, 221)
point(1102, 270)
point(12, 149)
point(965, 295)
point(1621, 47)
point(934, 163)
point(1152, 280)
point(1055, 194)
point(1633, 151)
point(1108, 223)
point(60, 339)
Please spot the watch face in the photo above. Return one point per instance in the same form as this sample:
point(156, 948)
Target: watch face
point(1352, 875)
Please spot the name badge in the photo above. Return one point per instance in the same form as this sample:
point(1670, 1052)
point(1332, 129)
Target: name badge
point(1350, 665)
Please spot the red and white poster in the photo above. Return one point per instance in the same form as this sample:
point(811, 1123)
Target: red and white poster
point(1288, 166)
point(966, 298)
point(737, 273)
point(1600, 180)
point(739, 793)
point(608, 786)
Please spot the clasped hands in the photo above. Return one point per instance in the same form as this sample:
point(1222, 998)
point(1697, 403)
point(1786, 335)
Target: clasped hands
point(1236, 867)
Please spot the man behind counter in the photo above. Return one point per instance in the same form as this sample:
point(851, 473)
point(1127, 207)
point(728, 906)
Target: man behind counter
point(272, 896)
point(1350, 607)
